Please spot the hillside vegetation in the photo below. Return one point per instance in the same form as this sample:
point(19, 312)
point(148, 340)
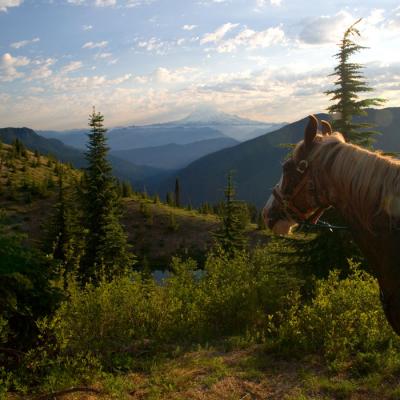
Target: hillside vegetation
point(157, 231)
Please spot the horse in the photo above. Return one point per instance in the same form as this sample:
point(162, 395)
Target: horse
point(326, 171)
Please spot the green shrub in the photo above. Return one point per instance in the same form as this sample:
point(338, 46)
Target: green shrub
point(134, 312)
point(344, 321)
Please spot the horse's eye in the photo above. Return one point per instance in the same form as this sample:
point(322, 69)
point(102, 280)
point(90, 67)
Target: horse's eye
point(288, 165)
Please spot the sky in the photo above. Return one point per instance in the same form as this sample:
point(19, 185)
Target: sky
point(147, 61)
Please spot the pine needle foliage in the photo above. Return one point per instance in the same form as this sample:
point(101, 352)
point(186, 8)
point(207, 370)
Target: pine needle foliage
point(350, 83)
point(231, 235)
point(107, 252)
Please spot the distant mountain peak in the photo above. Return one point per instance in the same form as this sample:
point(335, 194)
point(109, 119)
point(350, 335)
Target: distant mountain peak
point(209, 115)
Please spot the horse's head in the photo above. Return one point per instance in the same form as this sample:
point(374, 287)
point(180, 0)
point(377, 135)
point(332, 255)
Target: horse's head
point(294, 198)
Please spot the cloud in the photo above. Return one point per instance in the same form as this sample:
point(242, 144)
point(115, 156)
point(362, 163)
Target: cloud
point(121, 79)
point(9, 65)
point(4, 4)
point(43, 71)
point(103, 55)
point(218, 34)
point(137, 3)
point(71, 67)
point(326, 29)
point(110, 3)
point(245, 38)
point(92, 45)
point(23, 43)
point(263, 3)
point(154, 45)
point(189, 27)
point(269, 94)
point(210, 2)
point(164, 75)
point(105, 3)
point(393, 20)
point(252, 39)
point(87, 27)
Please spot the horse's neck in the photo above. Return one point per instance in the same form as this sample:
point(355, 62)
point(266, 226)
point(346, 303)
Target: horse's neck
point(380, 242)
point(379, 239)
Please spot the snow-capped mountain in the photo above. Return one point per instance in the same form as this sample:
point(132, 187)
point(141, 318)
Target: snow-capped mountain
point(229, 124)
point(202, 124)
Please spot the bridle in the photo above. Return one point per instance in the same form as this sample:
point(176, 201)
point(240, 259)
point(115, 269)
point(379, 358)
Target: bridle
point(286, 201)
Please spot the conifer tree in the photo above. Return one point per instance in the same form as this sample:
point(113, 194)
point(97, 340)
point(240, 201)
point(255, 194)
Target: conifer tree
point(350, 83)
point(60, 224)
point(126, 189)
point(231, 236)
point(106, 251)
point(64, 237)
point(261, 222)
point(177, 193)
point(169, 199)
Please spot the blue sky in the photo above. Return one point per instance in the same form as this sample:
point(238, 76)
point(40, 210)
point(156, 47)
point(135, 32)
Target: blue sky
point(144, 61)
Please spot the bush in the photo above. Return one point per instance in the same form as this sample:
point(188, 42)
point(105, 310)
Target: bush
point(344, 321)
point(131, 312)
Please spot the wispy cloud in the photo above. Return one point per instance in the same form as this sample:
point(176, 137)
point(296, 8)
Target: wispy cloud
point(92, 45)
point(9, 67)
point(325, 29)
point(87, 27)
point(263, 3)
point(71, 67)
point(43, 70)
point(189, 27)
point(165, 75)
point(4, 4)
point(154, 44)
point(103, 55)
point(111, 3)
point(246, 38)
point(218, 34)
point(23, 43)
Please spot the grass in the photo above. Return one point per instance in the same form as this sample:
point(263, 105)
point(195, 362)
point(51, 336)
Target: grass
point(210, 373)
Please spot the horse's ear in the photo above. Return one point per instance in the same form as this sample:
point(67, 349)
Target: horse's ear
point(326, 128)
point(310, 132)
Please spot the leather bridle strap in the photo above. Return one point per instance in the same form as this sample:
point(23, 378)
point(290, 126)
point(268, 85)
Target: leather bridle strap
point(290, 209)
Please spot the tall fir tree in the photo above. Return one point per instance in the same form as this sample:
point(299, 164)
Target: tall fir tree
point(350, 83)
point(106, 251)
point(231, 235)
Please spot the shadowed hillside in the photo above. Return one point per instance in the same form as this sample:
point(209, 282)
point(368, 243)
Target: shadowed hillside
point(174, 156)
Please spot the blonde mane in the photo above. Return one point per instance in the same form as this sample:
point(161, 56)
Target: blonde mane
point(368, 182)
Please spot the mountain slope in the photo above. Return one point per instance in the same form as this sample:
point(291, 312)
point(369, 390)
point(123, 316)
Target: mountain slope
point(134, 137)
point(174, 156)
point(121, 168)
point(256, 163)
